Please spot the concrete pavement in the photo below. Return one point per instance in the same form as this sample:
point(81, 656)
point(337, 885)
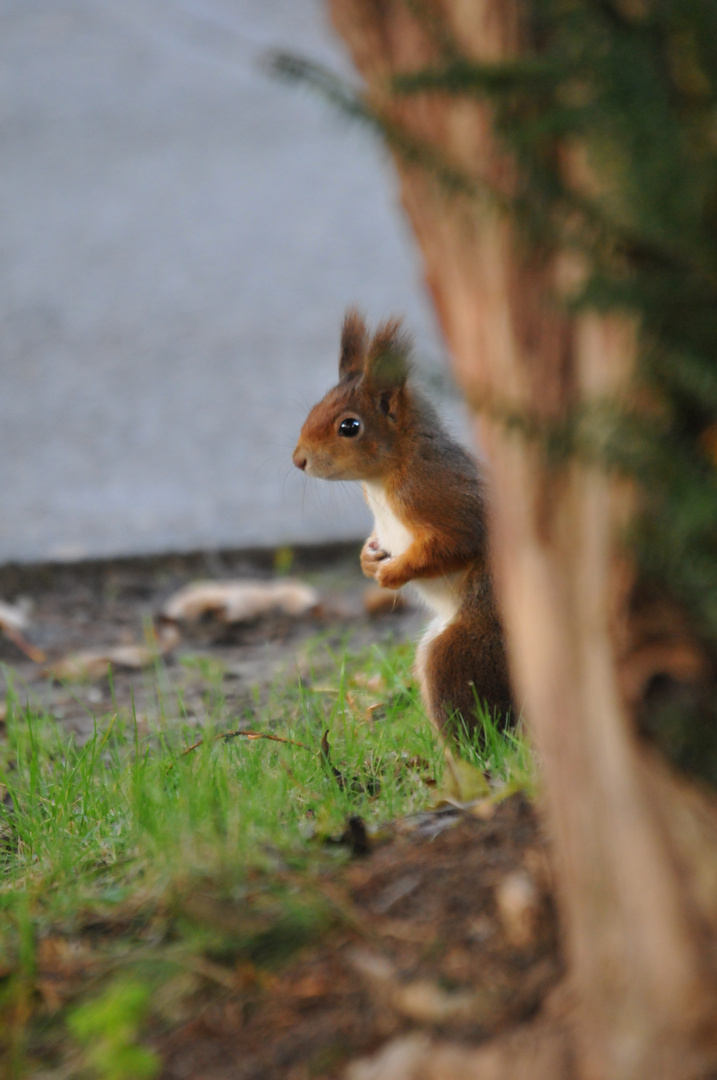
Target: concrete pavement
point(179, 236)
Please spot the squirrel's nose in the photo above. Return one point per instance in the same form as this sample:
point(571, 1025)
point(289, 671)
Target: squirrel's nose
point(299, 460)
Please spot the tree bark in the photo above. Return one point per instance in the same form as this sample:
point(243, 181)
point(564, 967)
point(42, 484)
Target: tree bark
point(635, 845)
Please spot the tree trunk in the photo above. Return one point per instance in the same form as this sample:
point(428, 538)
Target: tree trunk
point(635, 845)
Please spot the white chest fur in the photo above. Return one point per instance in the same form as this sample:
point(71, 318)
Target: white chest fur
point(440, 594)
point(393, 536)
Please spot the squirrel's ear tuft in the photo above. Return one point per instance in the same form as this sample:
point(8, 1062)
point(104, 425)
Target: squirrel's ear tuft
point(353, 345)
point(388, 359)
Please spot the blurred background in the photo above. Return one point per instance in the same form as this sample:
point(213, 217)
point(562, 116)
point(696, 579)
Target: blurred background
point(179, 236)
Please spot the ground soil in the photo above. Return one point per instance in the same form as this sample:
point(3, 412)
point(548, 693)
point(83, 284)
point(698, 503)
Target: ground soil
point(421, 946)
point(422, 935)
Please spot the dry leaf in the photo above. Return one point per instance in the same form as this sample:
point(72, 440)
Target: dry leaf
point(13, 617)
point(376, 683)
point(89, 665)
point(422, 1000)
point(311, 986)
point(462, 783)
point(518, 903)
point(400, 1059)
point(14, 623)
point(537, 863)
point(428, 1003)
point(62, 966)
point(484, 809)
point(532, 1051)
point(239, 601)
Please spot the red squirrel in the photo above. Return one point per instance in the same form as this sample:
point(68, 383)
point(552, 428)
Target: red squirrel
point(427, 497)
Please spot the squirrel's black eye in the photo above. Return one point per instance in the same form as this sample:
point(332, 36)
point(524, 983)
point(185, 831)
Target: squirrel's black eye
point(350, 427)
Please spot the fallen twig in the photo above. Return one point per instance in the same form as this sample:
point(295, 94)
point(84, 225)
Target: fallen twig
point(247, 735)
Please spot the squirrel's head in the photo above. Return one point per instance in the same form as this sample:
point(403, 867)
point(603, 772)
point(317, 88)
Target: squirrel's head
point(353, 433)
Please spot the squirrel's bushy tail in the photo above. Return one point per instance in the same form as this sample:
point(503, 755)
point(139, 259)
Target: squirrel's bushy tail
point(465, 662)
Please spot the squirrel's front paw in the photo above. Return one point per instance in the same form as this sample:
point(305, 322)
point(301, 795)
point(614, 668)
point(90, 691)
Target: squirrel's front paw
point(388, 575)
point(372, 555)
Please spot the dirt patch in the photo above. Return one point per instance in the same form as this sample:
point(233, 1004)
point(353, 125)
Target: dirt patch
point(90, 605)
point(424, 944)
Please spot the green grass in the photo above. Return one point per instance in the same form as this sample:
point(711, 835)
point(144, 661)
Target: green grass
point(167, 868)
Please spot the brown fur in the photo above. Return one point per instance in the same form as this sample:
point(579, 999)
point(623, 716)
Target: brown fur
point(433, 488)
point(467, 662)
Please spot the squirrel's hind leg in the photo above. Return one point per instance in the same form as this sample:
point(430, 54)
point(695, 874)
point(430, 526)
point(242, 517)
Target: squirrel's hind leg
point(462, 662)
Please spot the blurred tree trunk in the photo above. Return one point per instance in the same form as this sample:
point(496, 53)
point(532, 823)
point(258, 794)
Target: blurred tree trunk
point(635, 845)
